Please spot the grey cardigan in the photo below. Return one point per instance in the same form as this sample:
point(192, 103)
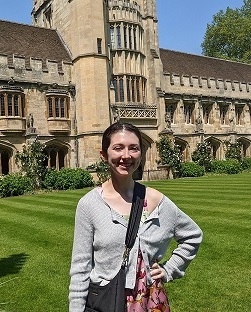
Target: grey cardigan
point(99, 244)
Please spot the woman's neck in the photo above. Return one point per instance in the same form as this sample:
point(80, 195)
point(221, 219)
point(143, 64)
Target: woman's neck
point(122, 186)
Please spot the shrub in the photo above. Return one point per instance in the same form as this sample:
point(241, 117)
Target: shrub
point(191, 169)
point(67, 178)
point(233, 150)
point(202, 155)
point(169, 154)
point(246, 163)
point(31, 162)
point(50, 179)
point(229, 166)
point(14, 185)
point(102, 170)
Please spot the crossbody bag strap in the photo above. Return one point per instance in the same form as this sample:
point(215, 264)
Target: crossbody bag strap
point(139, 193)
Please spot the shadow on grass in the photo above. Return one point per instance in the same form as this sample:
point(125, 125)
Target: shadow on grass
point(13, 264)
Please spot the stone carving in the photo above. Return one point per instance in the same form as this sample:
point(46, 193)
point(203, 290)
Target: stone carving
point(116, 116)
point(199, 124)
point(30, 121)
point(168, 121)
point(232, 123)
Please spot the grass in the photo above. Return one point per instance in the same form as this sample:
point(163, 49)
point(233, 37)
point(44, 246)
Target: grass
point(36, 238)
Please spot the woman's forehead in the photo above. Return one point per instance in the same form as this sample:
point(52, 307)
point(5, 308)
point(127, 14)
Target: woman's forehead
point(123, 136)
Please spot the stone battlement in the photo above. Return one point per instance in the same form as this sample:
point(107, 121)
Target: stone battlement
point(201, 85)
point(32, 69)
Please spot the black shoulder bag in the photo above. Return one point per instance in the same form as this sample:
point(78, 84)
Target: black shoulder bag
point(111, 297)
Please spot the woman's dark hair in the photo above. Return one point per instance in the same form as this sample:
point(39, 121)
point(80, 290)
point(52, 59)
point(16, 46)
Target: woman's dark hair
point(116, 127)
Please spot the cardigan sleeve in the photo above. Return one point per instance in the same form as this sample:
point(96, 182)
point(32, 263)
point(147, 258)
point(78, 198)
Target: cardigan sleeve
point(81, 264)
point(188, 236)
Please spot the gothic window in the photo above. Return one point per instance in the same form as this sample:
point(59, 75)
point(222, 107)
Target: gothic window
point(188, 113)
point(121, 90)
point(170, 109)
point(116, 89)
point(239, 115)
point(135, 38)
point(118, 37)
point(57, 106)
point(207, 113)
point(99, 45)
point(118, 83)
point(129, 89)
point(138, 93)
point(2, 105)
point(223, 114)
point(133, 88)
point(50, 109)
point(125, 37)
point(11, 104)
point(130, 37)
point(112, 36)
point(16, 107)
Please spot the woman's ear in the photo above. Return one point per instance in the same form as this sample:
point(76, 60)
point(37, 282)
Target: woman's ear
point(103, 156)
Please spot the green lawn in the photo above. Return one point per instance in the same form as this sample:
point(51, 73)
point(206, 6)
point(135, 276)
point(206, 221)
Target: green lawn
point(36, 237)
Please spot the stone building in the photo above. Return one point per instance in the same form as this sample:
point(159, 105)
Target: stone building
point(85, 64)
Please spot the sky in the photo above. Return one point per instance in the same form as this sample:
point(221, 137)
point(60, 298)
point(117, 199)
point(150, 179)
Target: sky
point(182, 24)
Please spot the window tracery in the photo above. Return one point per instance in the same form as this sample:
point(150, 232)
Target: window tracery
point(11, 104)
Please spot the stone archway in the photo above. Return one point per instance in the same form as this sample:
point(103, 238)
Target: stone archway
point(57, 155)
point(216, 146)
point(183, 146)
point(245, 147)
point(5, 159)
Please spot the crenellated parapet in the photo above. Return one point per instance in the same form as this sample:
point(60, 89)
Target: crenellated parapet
point(203, 85)
point(33, 69)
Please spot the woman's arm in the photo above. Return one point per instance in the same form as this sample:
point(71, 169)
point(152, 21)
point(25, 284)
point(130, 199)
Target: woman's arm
point(188, 236)
point(81, 264)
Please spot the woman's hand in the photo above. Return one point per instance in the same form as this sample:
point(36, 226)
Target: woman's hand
point(157, 272)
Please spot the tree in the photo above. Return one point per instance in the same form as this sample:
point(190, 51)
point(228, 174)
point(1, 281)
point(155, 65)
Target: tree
point(229, 35)
point(169, 154)
point(202, 155)
point(233, 150)
point(31, 162)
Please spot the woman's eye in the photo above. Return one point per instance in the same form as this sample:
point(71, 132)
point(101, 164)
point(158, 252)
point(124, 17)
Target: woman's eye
point(117, 148)
point(135, 149)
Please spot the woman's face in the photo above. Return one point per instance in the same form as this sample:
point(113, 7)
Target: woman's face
point(123, 154)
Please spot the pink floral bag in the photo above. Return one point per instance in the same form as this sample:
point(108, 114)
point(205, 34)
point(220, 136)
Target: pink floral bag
point(144, 298)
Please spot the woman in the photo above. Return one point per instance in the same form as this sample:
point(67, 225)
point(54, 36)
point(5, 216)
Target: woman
point(101, 223)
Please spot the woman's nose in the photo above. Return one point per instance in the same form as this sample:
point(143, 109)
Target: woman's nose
point(126, 153)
